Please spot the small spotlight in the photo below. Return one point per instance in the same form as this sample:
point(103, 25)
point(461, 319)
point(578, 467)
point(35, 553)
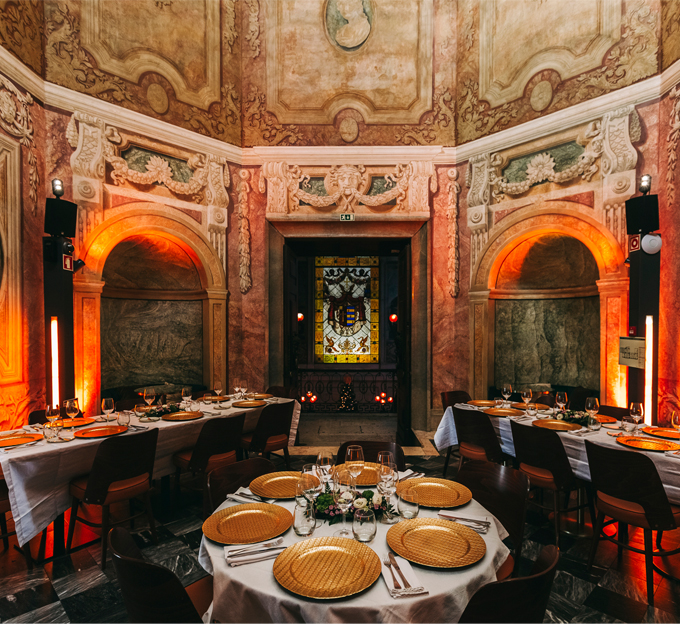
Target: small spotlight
point(383, 395)
point(627, 261)
point(301, 317)
point(78, 265)
point(393, 318)
point(645, 184)
point(303, 398)
point(377, 398)
point(390, 399)
point(57, 187)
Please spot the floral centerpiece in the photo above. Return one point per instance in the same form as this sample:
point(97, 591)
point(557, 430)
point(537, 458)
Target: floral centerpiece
point(159, 411)
point(326, 508)
point(573, 416)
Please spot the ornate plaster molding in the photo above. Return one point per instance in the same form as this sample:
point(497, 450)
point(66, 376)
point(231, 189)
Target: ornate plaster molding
point(434, 123)
point(621, 128)
point(245, 280)
point(230, 33)
point(16, 119)
point(453, 190)
point(253, 34)
point(672, 143)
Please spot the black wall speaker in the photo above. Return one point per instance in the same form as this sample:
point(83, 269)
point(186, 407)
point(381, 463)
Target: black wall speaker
point(60, 217)
point(642, 214)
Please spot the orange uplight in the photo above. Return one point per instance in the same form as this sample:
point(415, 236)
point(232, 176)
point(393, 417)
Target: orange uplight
point(54, 341)
point(393, 317)
point(390, 399)
point(649, 367)
point(383, 394)
point(309, 393)
point(301, 317)
point(314, 398)
point(382, 401)
point(377, 398)
point(303, 398)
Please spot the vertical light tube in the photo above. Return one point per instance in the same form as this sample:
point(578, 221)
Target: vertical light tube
point(649, 367)
point(54, 340)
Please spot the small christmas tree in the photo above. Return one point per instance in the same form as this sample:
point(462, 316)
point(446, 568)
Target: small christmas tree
point(347, 400)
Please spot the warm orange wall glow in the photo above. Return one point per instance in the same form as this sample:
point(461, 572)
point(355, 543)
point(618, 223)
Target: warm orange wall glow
point(54, 338)
point(649, 367)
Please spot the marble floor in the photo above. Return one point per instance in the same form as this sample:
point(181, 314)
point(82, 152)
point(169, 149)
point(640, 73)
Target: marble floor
point(74, 589)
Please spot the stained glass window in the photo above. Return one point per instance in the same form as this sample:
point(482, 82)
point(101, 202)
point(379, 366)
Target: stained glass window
point(346, 326)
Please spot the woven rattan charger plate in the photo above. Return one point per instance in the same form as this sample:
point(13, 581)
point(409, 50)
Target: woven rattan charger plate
point(662, 432)
point(261, 396)
point(436, 542)
point(327, 568)
point(520, 405)
point(102, 431)
point(556, 424)
point(74, 423)
point(482, 403)
point(247, 523)
point(368, 475)
point(647, 444)
point(182, 416)
point(435, 492)
point(249, 403)
point(504, 412)
point(18, 438)
point(280, 485)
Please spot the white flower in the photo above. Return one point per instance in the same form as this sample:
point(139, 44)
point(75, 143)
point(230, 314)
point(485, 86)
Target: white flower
point(377, 500)
point(347, 495)
point(360, 503)
point(541, 167)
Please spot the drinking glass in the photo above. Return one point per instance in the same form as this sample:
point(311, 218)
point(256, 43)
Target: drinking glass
point(354, 460)
point(628, 424)
point(408, 503)
point(637, 411)
point(675, 420)
point(304, 519)
point(51, 433)
point(532, 410)
point(592, 406)
point(149, 395)
point(344, 493)
point(217, 387)
point(186, 394)
point(107, 406)
point(52, 413)
point(124, 418)
point(385, 457)
point(140, 411)
point(526, 396)
point(244, 388)
point(324, 462)
point(561, 400)
point(207, 399)
point(506, 391)
point(314, 484)
point(387, 485)
point(364, 525)
point(593, 423)
point(498, 402)
point(71, 408)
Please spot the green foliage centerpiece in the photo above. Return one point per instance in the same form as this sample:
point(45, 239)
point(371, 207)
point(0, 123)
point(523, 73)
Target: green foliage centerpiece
point(368, 500)
point(573, 416)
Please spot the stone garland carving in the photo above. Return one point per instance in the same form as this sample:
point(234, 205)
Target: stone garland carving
point(542, 167)
point(257, 118)
point(245, 281)
point(230, 32)
point(69, 64)
point(672, 143)
point(15, 118)
point(441, 117)
point(615, 220)
point(253, 34)
point(477, 179)
point(453, 190)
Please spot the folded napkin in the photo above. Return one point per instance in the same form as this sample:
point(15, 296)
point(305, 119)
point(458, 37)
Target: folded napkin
point(672, 454)
point(246, 491)
point(468, 520)
point(404, 475)
point(236, 555)
point(416, 587)
point(582, 432)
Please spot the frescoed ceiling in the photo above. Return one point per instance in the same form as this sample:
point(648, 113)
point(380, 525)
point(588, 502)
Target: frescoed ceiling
point(343, 72)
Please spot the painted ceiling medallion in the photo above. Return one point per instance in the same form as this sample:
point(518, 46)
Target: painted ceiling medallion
point(349, 129)
point(348, 23)
point(541, 96)
point(157, 98)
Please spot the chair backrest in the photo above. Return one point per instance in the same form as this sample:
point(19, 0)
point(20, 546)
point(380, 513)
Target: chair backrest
point(280, 391)
point(475, 428)
point(547, 399)
point(151, 593)
point(217, 436)
point(614, 411)
point(578, 396)
point(371, 451)
point(517, 600)
point(633, 477)
point(542, 448)
point(199, 394)
point(120, 458)
point(449, 398)
point(128, 404)
point(227, 479)
point(274, 419)
point(503, 491)
point(37, 416)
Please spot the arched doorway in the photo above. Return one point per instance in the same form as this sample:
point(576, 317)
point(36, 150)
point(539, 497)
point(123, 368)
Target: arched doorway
point(134, 222)
point(554, 221)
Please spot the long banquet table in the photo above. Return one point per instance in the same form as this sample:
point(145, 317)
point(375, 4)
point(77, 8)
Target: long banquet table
point(38, 476)
point(668, 467)
point(250, 593)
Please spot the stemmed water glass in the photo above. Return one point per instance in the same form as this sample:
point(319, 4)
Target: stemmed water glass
point(592, 408)
point(186, 394)
point(385, 457)
point(526, 397)
point(72, 409)
point(52, 414)
point(217, 387)
point(675, 420)
point(354, 460)
point(313, 483)
point(107, 406)
point(506, 391)
point(149, 395)
point(561, 400)
point(637, 411)
point(344, 493)
point(387, 485)
point(324, 463)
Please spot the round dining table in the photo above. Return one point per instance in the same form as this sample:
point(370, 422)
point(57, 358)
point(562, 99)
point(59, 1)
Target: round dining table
point(250, 594)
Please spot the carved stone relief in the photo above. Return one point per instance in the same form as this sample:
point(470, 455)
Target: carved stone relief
point(453, 190)
point(253, 33)
point(672, 144)
point(245, 280)
point(230, 33)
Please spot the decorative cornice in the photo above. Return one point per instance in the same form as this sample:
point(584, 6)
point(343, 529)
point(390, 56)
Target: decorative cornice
point(339, 155)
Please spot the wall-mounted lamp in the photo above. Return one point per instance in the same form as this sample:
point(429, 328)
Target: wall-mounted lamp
point(57, 187)
point(645, 184)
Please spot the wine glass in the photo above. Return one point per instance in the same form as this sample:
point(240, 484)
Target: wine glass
point(217, 387)
point(354, 460)
point(107, 406)
point(592, 407)
point(387, 485)
point(149, 395)
point(385, 457)
point(628, 424)
point(506, 391)
point(675, 420)
point(186, 394)
point(313, 483)
point(561, 400)
point(408, 503)
point(324, 462)
point(344, 493)
point(526, 396)
point(71, 408)
point(637, 411)
point(52, 413)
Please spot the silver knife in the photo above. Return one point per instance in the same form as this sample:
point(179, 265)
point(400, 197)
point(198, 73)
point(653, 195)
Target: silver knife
point(393, 560)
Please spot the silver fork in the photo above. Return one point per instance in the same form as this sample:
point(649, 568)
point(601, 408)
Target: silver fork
point(388, 564)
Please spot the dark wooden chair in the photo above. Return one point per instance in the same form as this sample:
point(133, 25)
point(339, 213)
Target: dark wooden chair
point(628, 489)
point(541, 455)
point(128, 404)
point(199, 394)
point(449, 398)
point(280, 391)
point(503, 491)
point(216, 447)
point(225, 480)
point(37, 416)
point(271, 432)
point(371, 451)
point(122, 470)
point(578, 396)
point(477, 438)
point(152, 593)
point(517, 600)
point(547, 399)
point(5, 507)
point(614, 411)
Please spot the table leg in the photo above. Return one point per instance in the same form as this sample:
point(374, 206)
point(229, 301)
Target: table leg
point(59, 548)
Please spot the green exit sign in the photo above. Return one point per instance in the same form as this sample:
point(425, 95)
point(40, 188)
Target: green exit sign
point(346, 216)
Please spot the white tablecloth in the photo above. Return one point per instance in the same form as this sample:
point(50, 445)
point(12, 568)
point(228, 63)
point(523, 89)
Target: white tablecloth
point(575, 446)
point(38, 476)
point(250, 594)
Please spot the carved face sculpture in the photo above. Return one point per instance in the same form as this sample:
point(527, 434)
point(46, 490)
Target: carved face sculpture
point(348, 179)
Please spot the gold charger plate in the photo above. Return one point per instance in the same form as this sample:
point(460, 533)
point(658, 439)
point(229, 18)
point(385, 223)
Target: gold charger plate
point(556, 424)
point(327, 568)
point(261, 396)
point(10, 440)
point(520, 405)
point(606, 419)
point(368, 476)
point(434, 492)
point(280, 485)
point(182, 416)
point(647, 444)
point(247, 523)
point(481, 403)
point(102, 431)
point(436, 542)
point(249, 403)
point(74, 423)
point(504, 412)
point(662, 432)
